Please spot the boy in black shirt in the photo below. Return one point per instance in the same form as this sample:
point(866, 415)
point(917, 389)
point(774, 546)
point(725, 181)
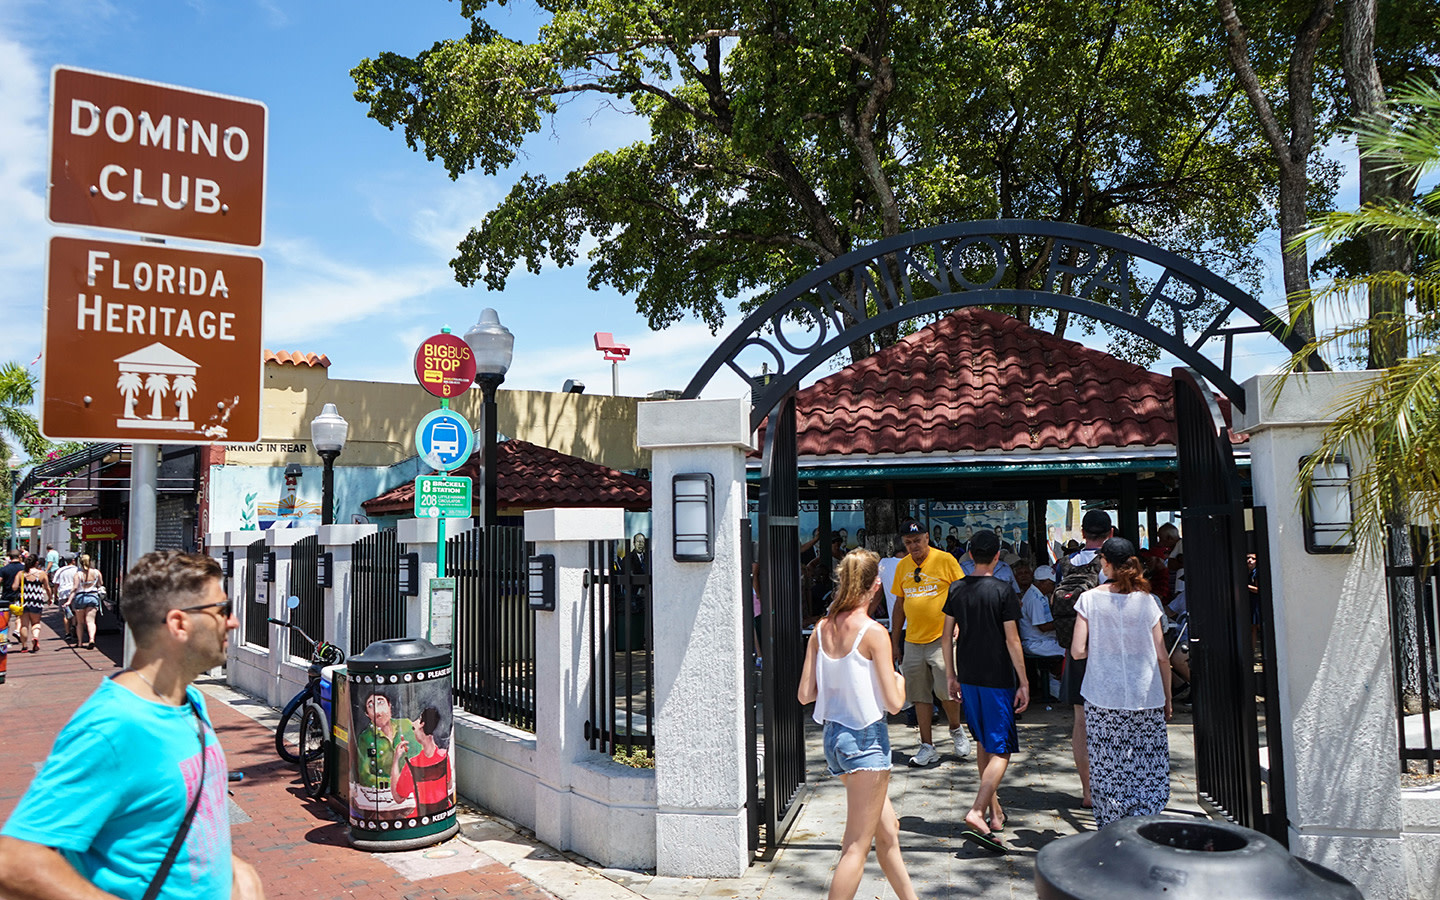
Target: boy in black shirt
point(985, 667)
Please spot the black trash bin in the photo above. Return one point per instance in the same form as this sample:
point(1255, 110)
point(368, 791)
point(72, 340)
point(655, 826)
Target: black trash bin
point(402, 770)
point(1150, 856)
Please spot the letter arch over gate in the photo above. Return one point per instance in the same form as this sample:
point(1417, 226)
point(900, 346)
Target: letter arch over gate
point(939, 264)
point(1179, 306)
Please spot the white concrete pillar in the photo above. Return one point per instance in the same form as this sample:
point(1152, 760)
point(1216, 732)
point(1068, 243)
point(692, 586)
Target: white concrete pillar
point(420, 536)
point(562, 659)
point(701, 609)
point(338, 541)
point(1332, 637)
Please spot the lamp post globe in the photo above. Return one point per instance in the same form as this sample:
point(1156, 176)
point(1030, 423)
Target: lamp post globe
point(328, 432)
point(493, 346)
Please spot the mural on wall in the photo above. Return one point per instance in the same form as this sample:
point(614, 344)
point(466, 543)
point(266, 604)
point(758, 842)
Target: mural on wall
point(264, 498)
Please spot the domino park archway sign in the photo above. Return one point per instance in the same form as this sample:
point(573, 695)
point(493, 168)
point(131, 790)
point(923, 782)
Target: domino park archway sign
point(1178, 305)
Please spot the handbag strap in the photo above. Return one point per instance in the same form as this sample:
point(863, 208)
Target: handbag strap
point(159, 881)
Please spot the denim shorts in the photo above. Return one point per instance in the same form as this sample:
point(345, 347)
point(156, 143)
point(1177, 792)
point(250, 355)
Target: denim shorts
point(857, 750)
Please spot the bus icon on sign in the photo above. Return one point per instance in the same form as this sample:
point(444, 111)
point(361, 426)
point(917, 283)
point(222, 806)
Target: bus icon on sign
point(445, 439)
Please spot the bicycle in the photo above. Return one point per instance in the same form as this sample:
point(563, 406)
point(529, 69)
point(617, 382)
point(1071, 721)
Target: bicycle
point(306, 739)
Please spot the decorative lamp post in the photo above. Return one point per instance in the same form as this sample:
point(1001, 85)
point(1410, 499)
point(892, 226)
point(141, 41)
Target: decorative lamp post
point(328, 432)
point(493, 346)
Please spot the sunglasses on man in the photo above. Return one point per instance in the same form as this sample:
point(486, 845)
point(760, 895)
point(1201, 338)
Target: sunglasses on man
point(225, 608)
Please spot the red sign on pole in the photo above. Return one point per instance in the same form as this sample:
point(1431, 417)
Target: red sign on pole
point(145, 157)
point(151, 343)
point(101, 529)
point(444, 365)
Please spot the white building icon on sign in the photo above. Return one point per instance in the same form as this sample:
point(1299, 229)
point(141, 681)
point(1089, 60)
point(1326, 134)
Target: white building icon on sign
point(158, 371)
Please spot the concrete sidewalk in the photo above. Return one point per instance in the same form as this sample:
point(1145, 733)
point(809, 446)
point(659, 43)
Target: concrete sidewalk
point(301, 849)
point(1041, 795)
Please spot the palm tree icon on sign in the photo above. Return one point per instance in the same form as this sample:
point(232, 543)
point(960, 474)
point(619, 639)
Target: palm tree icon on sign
point(159, 371)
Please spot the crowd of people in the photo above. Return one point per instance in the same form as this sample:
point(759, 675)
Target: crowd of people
point(1101, 628)
point(30, 582)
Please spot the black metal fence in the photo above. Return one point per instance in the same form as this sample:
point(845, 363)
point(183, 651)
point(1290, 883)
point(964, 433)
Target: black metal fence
point(1413, 587)
point(257, 629)
point(310, 614)
point(494, 649)
point(377, 610)
point(620, 632)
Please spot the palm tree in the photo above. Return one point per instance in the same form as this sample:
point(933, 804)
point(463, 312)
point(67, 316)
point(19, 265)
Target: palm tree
point(19, 432)
point(129, 384)
point(1395, 417)
point(157, 385)
point(184, 387)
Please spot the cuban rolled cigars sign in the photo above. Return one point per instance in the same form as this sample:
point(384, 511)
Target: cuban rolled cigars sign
point(153, 158)
point(150, 343)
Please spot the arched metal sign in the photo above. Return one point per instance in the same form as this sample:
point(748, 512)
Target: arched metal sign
point(1150, 290)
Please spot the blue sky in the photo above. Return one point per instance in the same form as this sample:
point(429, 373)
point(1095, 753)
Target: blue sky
point(359, 229)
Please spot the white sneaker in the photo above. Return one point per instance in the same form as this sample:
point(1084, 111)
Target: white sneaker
point(961, 740)
point(925, 756)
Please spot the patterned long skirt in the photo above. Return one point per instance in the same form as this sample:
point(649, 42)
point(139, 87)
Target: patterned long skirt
point(1129, 762)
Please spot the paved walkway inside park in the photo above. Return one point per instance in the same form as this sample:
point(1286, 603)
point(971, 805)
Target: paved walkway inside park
point(301, 850)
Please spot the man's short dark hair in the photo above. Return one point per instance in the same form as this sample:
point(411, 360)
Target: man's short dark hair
point(984, 544)
point(1096, 524)
point(162, 581)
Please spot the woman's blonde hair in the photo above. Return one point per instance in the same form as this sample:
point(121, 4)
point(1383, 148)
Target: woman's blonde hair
point(83, 562)
point(854, 580)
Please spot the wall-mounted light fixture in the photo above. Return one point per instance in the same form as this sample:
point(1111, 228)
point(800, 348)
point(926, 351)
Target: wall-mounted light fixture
point(409, 574)
point(694, 517)
point(267, 567)
point(1328, 512)
point(542, 582)
point(227, 563)
point(325, 569)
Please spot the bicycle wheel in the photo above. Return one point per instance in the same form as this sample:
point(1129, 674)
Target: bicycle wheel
point(287, 733)
point(315, 739)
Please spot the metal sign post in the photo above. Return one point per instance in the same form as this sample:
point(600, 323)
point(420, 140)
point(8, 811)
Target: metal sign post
point(445, 367)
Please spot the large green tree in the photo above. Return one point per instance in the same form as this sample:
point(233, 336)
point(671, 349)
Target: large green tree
point(786, 133)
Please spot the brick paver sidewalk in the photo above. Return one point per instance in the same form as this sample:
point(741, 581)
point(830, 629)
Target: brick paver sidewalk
point(299, 846)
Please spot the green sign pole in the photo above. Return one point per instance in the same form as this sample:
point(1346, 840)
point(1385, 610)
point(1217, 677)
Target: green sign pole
point(440, 542)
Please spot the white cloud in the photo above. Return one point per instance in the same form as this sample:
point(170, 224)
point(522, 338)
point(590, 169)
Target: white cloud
point(308, 293)
point(23, 143)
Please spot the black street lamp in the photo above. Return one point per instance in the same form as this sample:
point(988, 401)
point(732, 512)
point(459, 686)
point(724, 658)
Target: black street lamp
point(328, 432)
point(493, 347)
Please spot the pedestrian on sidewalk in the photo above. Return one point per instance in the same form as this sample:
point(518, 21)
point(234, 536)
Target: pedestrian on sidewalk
point(1126, 688)
point(985, 667)
point(850, 676)
point(922, 582)
point(35, 591)
point(132, 801)
point(64, 591)
point(9, 597)
point(86, 601)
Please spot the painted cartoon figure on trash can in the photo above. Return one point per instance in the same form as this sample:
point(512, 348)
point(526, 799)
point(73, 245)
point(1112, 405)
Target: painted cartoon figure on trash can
point(376, 745)
point(425, 775)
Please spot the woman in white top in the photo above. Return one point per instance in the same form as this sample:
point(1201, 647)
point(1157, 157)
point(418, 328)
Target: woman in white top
point(1126, 688)
point(850, 676)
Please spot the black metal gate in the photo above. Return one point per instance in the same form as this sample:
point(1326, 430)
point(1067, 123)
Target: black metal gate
point(494, 626)
point(257, 629)
point(310, 614)
point(1234, 779)
point(619, 634)
point(781, 742)
point(377, 611)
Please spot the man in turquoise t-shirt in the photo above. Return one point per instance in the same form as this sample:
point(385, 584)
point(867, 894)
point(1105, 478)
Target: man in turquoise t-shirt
point(111, 799)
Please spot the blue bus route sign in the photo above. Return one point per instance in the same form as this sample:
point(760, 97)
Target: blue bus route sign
point(444, 440)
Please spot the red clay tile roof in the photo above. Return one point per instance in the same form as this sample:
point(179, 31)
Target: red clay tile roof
point(533, 477)
point(296, 358)
point(980, 380)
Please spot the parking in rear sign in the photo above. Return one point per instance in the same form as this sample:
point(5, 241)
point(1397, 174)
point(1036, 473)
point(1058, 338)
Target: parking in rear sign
point(444, 439)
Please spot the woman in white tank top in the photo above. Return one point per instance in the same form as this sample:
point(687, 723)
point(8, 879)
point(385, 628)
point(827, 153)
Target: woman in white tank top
point(850, 676)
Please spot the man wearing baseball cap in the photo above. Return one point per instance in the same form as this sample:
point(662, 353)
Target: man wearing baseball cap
point(922, 582)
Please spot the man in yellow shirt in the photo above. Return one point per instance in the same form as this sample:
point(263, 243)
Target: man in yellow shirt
point(921, 586)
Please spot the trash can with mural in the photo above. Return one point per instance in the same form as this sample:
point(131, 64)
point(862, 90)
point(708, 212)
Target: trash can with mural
point(402, 774)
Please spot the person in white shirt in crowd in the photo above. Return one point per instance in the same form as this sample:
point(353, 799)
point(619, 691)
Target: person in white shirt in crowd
point(64, 589)
point(1037, 625)
point(850, 676)
point(1118, 628)
point(888, 565)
